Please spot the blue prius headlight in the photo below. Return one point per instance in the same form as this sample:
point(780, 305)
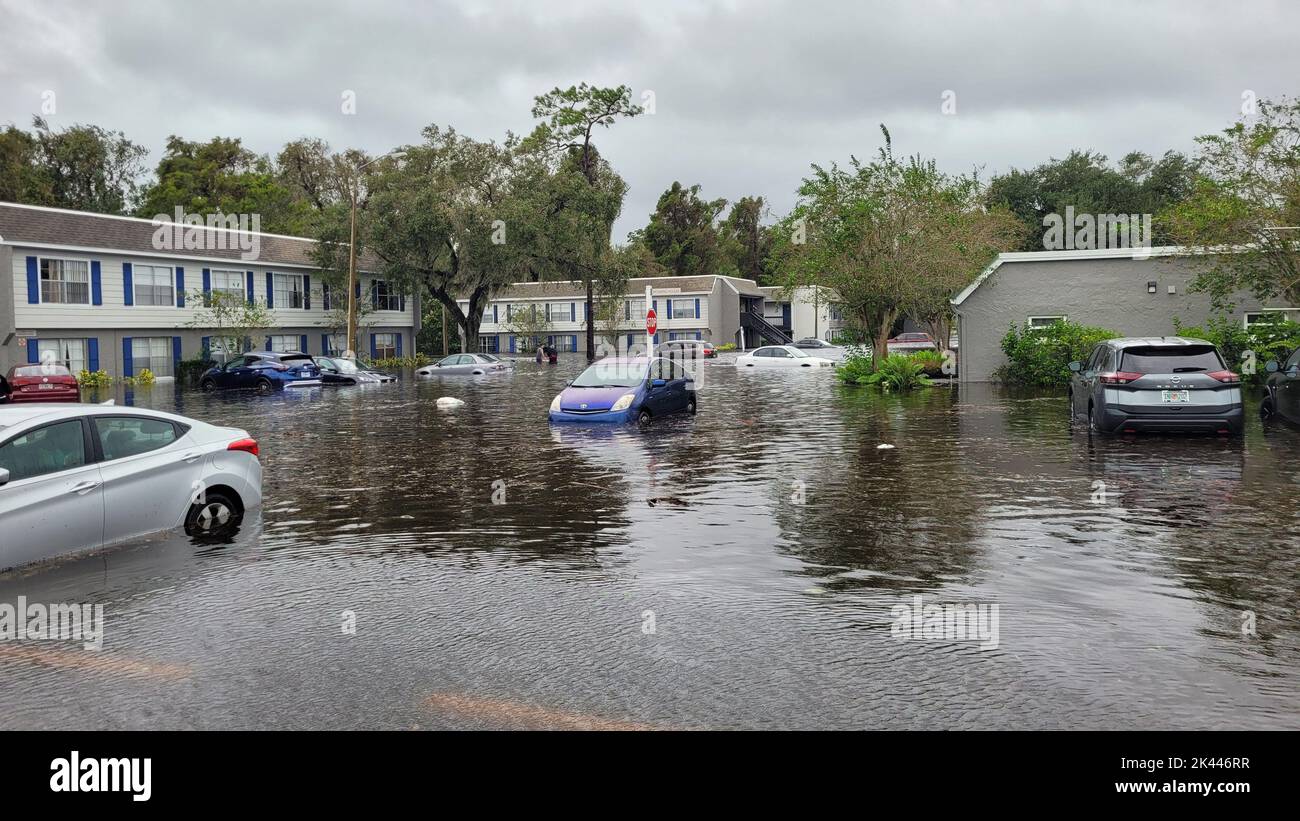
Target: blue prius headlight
point(624, 402)
point(555, 403)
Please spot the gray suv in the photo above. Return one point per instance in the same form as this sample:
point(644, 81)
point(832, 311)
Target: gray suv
point(1167, 383)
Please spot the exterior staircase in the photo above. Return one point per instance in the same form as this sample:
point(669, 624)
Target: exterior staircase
point(754, 323)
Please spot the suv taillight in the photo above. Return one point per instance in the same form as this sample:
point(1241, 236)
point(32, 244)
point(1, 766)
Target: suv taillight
point(1119, 377)
point(1225, 376)
point(246, 445)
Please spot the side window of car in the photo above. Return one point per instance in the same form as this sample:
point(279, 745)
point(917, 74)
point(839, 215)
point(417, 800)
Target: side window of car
point(130, 436)
point(1294, 361)
point(45, 450)
point(678, 372)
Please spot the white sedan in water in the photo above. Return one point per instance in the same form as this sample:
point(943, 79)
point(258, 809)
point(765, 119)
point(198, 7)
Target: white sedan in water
point(78, 477)
point(781, 356)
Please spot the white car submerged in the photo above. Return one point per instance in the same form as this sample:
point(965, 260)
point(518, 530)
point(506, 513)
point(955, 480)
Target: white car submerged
point(781, 356)
point(75, 478)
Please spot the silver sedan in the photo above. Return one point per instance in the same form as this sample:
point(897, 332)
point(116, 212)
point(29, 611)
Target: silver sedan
point(465, 364)
point(75, 478)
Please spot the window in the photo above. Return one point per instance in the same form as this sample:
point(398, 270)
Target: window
point(684, 309)
point(1035, 323)
point(385, 346)
point(155, 285)
point(384, 297)
point(288, 291)
point(152, 352)
point(634, 309)
point(488, 344)
point(1252, 317)
point(487, 316)
point(45, 450)
point(70, 353)
point(283, 343)
point(563, 342)
point(229, 282)
point(130, 436)
point(221, 349)
point(336, 344)
point(65, 281)
point(835, 314)
point(560, 311)
point(1181, 359)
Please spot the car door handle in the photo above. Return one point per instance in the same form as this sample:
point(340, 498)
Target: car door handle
point(192, 457)
point(82, 488)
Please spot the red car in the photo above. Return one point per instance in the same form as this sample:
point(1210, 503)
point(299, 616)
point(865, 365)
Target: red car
point(39, 383)
point(912, 341)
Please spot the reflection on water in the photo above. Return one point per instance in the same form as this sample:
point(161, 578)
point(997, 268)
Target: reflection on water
point(735, 569)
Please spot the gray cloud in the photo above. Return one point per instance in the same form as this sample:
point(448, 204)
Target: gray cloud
point(747, 94)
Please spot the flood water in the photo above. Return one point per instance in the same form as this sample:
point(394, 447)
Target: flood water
point(738, 569)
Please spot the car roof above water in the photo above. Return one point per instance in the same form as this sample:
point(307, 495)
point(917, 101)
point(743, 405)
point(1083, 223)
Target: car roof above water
point(16, 414)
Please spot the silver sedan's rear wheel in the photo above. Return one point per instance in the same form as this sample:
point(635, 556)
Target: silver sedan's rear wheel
point(214, 515)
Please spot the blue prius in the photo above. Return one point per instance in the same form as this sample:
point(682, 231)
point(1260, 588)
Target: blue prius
point(622, 389)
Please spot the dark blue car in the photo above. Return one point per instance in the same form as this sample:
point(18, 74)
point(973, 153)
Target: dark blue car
point(622, 389)
point(263, 371)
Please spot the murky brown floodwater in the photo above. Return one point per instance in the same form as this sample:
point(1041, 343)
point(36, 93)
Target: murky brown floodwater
point(767, 613)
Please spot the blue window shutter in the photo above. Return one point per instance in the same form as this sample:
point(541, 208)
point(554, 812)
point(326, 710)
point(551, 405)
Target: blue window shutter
point(374, 351)
point(325, 295)
point(668, 309)
point(128, 284)
point(176, 350)
point(92, 354)
point(573, 312)
point(325, 345)
point(357, 295)
point(33, 282)
point(398, 337)
point(250, 287)
point(248, 344)
point(96, 283)
point(180, 287)
point(401, 302)
point(697, 308)
point(128, 367)
point(270, 289)
point(698, 335)
point(306, 299)
point(573, 341)
point(33, 351)
point(303, 341)
point(207, 282)
point(494, 314)
point(268, 344)
point(206, 342)
point(512, 343)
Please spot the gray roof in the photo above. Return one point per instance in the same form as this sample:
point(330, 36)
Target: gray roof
point(26, 224)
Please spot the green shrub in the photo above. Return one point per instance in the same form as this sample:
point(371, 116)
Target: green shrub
point(899, 372)
point(930, 361)
point(855, 368)
point(1272, 337)
point(730, 346)
point(419, 360)
point(1042, 356)
point(94, 379)
point(191, 369)
point(145, 378)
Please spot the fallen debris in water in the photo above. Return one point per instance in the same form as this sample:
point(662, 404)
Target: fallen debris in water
point(675, 501)
point(449, 402)
point(884, 447)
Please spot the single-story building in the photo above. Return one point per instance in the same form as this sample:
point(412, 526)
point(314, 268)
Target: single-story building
point(98, 292)
point(1108, 287)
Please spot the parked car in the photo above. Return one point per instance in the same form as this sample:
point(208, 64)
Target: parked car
point(820, 347)
point(464, 364)
point(689, 348)
point(378, 375)
point(1282, 390)
point(780, 356)
point(39, 383)
point(621, 389)
point(80, 477)
point(911, 342)
point(1166, 383)
point(263, 371)
point(340, 371)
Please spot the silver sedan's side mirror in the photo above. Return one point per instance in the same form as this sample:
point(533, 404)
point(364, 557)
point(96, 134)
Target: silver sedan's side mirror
point(1076, 366)
point(4, 476)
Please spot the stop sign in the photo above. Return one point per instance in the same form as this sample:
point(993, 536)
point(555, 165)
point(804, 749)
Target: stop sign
point(651, 323)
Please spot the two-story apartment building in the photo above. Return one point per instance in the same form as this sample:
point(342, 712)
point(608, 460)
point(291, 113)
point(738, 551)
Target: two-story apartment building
point(97, 292)
point(719, 309)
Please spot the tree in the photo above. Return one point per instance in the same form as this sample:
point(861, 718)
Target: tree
point(888, 237)
point(1247, 199)
point(1086, 182)
point(82, 167)
point(231, 318)
point(221, 176)
point(682, 235)
point(529, 322)
point(746, 242)
point(21, 176)
point(570, 118)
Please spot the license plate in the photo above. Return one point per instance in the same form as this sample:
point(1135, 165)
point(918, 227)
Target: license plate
point(45, 386)
point(1177, 396)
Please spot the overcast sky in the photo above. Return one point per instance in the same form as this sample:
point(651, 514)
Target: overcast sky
point(746, 94)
